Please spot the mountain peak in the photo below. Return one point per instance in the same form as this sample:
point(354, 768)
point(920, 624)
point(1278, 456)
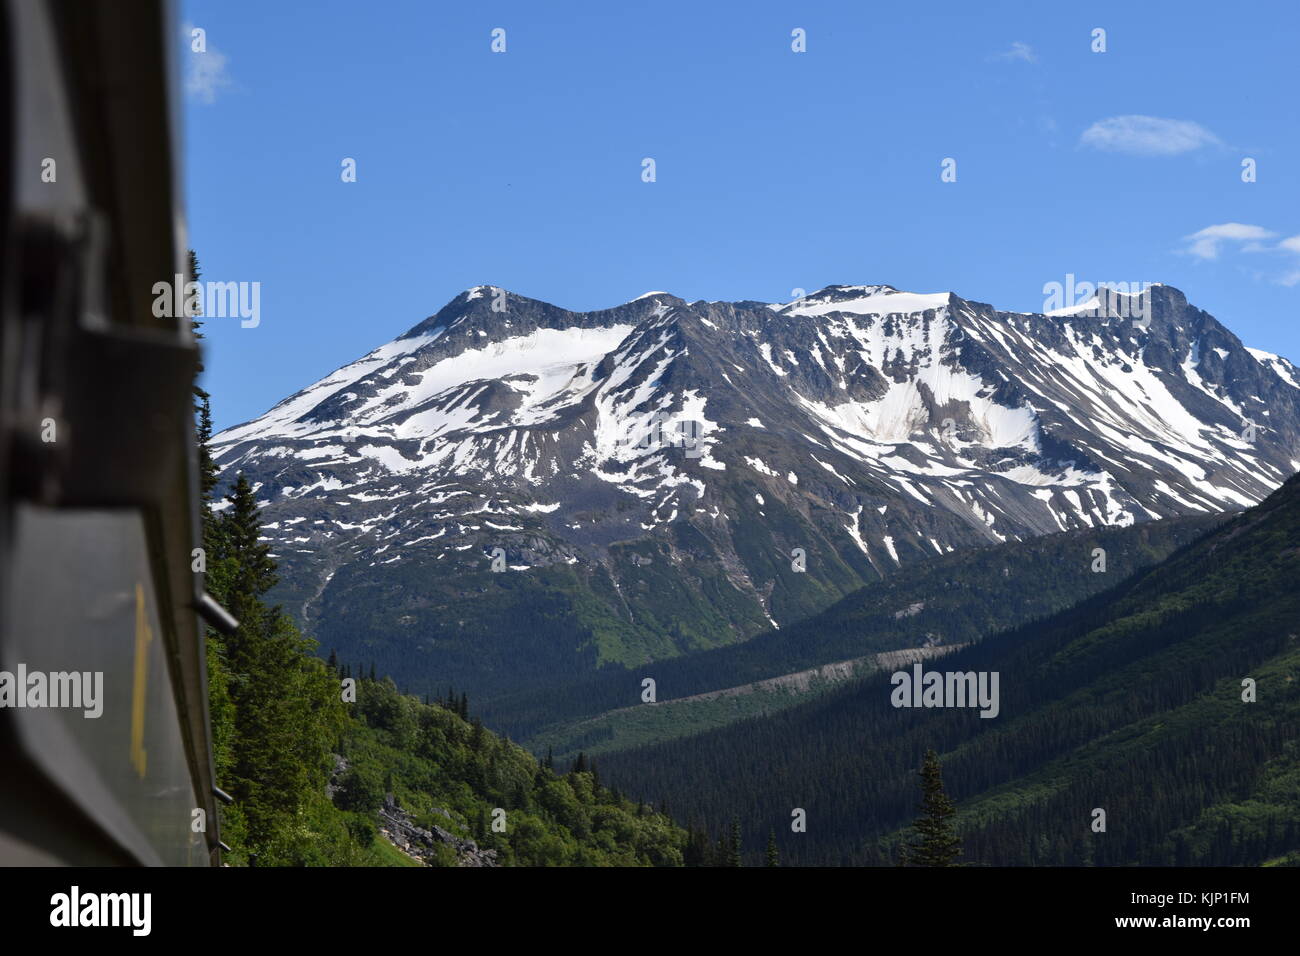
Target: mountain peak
point(482, 308)
point(864, 300)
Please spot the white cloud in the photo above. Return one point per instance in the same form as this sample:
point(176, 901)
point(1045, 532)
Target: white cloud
point(1291, 245)
point(1018, 51)
point(1147, 136)
point(1206, 243)
point(205, 73)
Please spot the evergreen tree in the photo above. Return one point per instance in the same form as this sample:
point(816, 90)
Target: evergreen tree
point(698, 851)
point(939, 845)
point(241, 529)
point(202, 406)
point(773, 856)
point(220, 706)
point(733, 848)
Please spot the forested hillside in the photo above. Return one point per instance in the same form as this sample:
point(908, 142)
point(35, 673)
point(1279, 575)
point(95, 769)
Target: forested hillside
point(1130, 702)
point(949, 600)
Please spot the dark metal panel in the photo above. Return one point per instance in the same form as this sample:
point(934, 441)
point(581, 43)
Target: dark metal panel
point(82, 601)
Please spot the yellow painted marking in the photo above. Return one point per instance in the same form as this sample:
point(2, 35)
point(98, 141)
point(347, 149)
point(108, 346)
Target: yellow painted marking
point(143, 635)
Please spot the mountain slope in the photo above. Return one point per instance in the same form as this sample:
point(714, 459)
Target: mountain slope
point(439, 781)
point(938, 602)
point(649, 480)
point(1131, 702)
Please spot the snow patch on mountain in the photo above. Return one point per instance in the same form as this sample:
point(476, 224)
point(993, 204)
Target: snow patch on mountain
point(885, 425)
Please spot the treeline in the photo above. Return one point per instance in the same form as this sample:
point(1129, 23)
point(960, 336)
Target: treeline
point(1130, 703)
point(952, 599)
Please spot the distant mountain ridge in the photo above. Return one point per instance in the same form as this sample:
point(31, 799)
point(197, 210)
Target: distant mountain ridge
point(655, 474)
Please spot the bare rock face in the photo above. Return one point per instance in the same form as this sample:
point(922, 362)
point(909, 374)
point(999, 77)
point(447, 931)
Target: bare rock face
point(395, 824)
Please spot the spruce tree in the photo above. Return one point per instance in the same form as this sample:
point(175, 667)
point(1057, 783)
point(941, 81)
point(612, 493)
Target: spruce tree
point(733, 848)
point(203, 432)
point(242, 529)
point(202, 408)
point(220, 705)
point(939, 845)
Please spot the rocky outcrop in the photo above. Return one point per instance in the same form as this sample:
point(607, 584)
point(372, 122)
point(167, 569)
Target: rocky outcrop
point(397, 827)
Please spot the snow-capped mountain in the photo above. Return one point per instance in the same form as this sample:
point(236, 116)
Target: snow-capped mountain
point(666, 475)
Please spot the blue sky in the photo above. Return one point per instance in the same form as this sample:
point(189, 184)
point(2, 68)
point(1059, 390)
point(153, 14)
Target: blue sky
point(775, 170)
